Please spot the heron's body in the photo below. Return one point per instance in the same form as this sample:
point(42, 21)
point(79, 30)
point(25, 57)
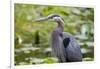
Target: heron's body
point(64, 45)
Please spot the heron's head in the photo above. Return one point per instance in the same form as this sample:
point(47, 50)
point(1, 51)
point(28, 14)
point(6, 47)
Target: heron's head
point(54, 17)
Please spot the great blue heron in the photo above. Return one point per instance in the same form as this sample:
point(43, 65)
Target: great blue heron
point(64, 45)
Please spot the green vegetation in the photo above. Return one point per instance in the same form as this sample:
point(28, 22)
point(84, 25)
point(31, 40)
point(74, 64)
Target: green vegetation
point(32, 39)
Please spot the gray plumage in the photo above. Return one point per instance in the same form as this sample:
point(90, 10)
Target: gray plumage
point(64, 45)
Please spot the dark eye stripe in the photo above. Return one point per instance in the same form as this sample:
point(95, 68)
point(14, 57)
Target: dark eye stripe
point(53, 15)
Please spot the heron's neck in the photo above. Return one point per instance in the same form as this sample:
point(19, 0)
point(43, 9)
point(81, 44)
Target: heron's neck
point(60, 25)
point(59, 29)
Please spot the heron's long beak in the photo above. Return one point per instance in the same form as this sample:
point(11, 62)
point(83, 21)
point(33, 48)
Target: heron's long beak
point(42, 19)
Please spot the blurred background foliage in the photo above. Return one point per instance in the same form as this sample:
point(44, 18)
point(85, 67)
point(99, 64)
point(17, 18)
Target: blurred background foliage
point(32, 39)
